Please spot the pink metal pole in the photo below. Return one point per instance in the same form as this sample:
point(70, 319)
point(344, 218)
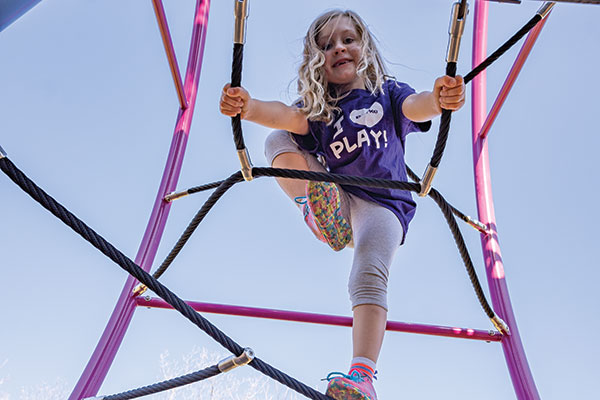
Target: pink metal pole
point(514, 353)
point(512, 77)
point(168, 43)
point(336, 320)
point(97, 368)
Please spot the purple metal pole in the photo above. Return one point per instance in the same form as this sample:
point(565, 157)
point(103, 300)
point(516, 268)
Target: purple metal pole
point(514, 353)
point(97, 368)
point(512, 77)
point(336, 320)
point(168, 43)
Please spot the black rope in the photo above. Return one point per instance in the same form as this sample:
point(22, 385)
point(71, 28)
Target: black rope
point(462, 249)
point(414, 177)
point(236, 81)
point(166, 385)
point(134, 270)
point(444, 129)
point(208, 205)
point(204, 187)
point(504, 48)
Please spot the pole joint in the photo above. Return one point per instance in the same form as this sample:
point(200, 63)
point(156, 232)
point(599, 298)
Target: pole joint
point(456, 29)
point(139, 290)
point(2, 153)
point(480, 226)
point(232, 362)
point(500, 325)
point(241, 15)
point(176, 195)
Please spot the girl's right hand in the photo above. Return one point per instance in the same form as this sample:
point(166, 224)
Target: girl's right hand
point(234, 101)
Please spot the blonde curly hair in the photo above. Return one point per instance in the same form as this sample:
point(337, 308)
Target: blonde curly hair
point(318, 98)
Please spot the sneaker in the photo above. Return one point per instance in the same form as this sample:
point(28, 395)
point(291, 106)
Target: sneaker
point(324, 206)
point(309, 219)
point(350, 387)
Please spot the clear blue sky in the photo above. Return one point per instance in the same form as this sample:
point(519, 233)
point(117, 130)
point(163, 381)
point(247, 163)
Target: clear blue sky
point(87, 110)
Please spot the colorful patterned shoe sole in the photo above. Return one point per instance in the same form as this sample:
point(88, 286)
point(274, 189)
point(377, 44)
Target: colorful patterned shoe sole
point(325, 205)
point(342, 389)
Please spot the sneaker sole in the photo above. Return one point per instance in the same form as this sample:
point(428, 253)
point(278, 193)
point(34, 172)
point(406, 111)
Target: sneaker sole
point(324, 202)
point(341, 390)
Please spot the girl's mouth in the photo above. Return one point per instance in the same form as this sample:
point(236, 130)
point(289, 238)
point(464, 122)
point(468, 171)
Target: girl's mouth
point(341, 62)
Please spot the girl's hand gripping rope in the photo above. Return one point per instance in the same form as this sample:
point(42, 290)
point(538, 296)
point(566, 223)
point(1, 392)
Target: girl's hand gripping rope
point(234, 101)
point(449, 93)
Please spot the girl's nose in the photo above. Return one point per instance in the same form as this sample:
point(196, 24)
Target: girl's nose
point(340, 48)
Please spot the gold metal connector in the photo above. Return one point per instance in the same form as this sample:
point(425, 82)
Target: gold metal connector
point(139, 290)
point(480, 226)
point(456, 29)
point(427, 180)
point(245, 163)
point(176, 195)
point(241, 15)
point(500, 325)
point(236, 361)
point(545, 9)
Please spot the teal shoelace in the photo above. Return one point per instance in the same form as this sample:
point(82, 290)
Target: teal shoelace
point(354, 376)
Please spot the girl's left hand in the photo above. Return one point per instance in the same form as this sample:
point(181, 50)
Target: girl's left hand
point(449, 92)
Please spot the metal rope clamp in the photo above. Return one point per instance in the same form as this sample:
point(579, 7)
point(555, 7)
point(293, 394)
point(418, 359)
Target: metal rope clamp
point(175, 195)
point(232, 362)
point(241, 15)
point(500, 325)
point(456, 29)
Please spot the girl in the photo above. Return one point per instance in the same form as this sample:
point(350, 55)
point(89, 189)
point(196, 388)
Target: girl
point(356, 118)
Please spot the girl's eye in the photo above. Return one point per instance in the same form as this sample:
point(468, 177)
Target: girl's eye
point(327, 46)
point(348, 40)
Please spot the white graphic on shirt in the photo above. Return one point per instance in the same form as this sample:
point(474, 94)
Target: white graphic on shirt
point(367, 116)
point(338, 127)
point(362, 137)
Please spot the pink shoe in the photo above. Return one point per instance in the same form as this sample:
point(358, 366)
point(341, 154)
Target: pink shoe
point(350, 387)
point(323, 214)
point(309, 218)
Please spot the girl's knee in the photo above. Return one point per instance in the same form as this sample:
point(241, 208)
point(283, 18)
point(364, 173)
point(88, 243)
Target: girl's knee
point(368, 285)
point(278, 142)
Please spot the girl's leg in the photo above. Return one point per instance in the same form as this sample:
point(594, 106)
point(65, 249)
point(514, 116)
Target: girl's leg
point(377, 235)
point(368, 329)
point(292, 187)
point(282, 152)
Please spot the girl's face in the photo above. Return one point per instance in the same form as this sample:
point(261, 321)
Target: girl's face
point(340, 42)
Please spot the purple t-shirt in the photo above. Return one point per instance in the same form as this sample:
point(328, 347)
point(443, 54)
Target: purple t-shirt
point(367, 139)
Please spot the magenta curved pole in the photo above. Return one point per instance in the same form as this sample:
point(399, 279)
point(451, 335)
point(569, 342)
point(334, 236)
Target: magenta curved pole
point(97, 368)
point(512, 346)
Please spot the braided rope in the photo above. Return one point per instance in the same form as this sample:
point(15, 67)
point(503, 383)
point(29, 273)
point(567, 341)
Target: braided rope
point(134, 270)
point(444, 129)
point(204, 187)
point(504, 48)
point(208, 205)
point(166, 385)
point(236, 81)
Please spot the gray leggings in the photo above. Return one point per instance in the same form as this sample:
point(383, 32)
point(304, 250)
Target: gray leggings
point(376, 231)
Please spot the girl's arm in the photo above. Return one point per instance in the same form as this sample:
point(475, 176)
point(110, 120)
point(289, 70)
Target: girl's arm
point(448, 93)
point(272, 114)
